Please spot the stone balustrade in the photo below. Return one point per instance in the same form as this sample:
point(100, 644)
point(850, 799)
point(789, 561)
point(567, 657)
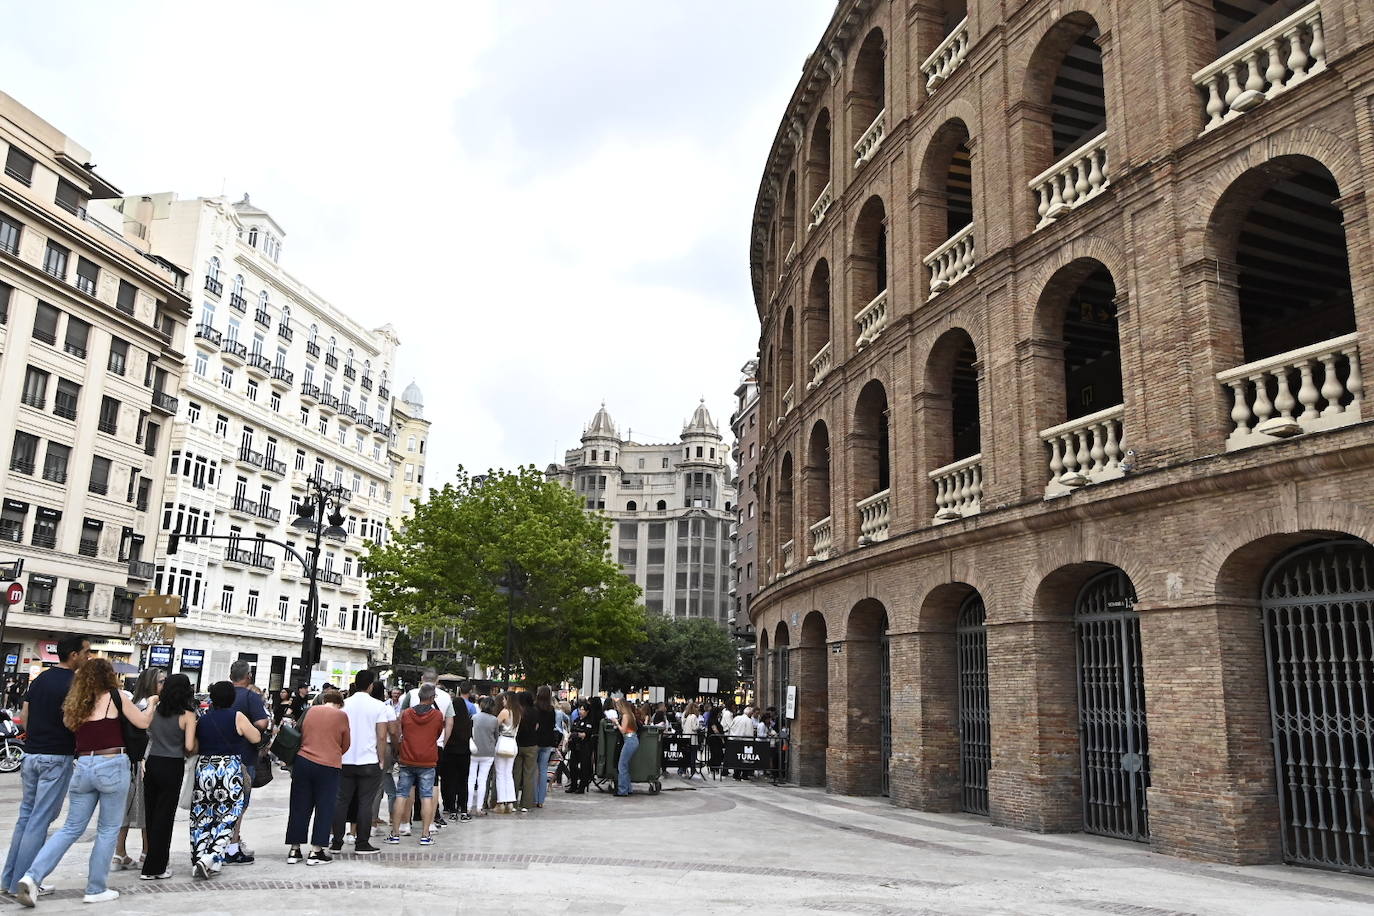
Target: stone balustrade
point(946, 57)
point(821, 206)
point(952, 261)
point(958, 488)
point(791, 254)
point(1267, 65)
point(820, 366)
point(868, 144)
point(875, 514)
point(1072, 181)
point(822, 539)
point(871, 320)
point(788, 399)
point(788, 556)
point(1086, 450)
point(1323, 379)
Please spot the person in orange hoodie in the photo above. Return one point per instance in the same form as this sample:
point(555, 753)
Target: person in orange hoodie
point(422, 729)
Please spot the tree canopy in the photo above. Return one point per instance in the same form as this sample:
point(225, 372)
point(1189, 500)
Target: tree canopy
point(450, 564)
point(674, 653)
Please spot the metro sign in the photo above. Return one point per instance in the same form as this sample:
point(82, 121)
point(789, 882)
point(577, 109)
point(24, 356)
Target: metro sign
point(14, 593)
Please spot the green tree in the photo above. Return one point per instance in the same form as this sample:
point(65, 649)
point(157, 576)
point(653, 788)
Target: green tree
point(674, 654)
point(449, 566)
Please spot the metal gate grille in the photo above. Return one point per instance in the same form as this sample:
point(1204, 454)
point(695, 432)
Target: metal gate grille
point(885, 712)
point(1319, 639)
point(780, 671)
point(975, 734)
point(1111, 709)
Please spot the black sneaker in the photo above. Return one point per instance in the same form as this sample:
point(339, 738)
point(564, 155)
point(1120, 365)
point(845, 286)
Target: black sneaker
point(364, 848)
point(239, 858)
point(465, 816)
point(293, 855)
point(319, 858)
point(336, 844)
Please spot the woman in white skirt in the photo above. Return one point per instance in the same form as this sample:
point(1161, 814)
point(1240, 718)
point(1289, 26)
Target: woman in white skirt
point(149, 684)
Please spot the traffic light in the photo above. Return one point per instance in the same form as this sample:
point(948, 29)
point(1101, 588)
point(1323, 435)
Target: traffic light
point(173, 542)
point(316, 651)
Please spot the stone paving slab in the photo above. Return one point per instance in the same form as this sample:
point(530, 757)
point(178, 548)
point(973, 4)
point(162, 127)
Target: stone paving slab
point(712, 848)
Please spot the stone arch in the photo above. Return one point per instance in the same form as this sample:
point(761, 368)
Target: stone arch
point(870, 449)
point(787, 370)
point(817, 486)
point(763, 685)
point(952, 399)
point(810, 671)
point(789, 218)
point(816, 317)
point(858, 761)
point(818, 168)
point(868, 88)
point(868, 256)
point(786, 521)
point(1081, 559)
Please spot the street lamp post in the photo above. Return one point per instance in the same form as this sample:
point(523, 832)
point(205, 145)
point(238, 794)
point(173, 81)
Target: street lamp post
point(320, 497)
point(507, 586)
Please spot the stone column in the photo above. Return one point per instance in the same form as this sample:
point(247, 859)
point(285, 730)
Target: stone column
point(925, 734)
point(810, 730)
point(854, 761)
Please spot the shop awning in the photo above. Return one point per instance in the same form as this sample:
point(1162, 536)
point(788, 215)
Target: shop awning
point(47, 652)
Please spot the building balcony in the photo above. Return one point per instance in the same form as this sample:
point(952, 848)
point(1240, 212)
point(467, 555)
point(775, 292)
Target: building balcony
point(1266, 66)
point(952, 261)
point(946, 57)
point(268, 514)
point(366, 382)
point(1323, 380)
point(383, 392)
point(76, 611)
point(213, 286)
point(958, 489)
point(788, 400)
point(312, 348)
point(259, 365)
point(234, 352)
point(871, 320)
point(822, 540)
point(822, 206)
point(273, 466)
point(1072, 181)
point(263, 317)
point(346, 414)
point(248, 457)
point(237, 556)
point(329, 403)
point(310, 394)
point(238, 303)
point(43, 539)
point(142, 570)
point(166, 403)
point(872, 139)
point(282, 377)
point(789, 556)
point(330, 578)
point(261, 564)
point(284, 332)
point(208, 337)
point(350, 373)
point(331, 360)
point(875, 516)
point(1083, 451)
point(243, 506)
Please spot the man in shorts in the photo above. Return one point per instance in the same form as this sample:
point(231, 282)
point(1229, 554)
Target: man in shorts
point(422, 727)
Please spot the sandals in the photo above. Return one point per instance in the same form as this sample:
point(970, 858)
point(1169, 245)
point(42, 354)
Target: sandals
point(119, 863)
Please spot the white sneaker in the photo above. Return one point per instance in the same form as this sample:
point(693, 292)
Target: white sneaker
point(405, 830)
point(102, 897)
point(28, 891)
point(350, 839)
point(46, 889)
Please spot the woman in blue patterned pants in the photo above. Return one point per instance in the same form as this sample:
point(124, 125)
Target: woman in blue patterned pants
point(223, 734)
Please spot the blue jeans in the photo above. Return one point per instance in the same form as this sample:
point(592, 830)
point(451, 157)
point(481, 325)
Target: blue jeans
point(408, 777)
point(45, 778)
point(626, 755)
point(541, 784)
point(102, 781)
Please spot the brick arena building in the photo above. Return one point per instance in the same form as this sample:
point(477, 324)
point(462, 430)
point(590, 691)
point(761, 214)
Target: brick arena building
point(1065, 479)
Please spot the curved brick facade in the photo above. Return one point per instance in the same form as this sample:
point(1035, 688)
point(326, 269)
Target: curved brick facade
point(1193, 519)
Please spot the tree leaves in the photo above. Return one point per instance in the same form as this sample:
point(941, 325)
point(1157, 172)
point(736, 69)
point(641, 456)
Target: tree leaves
point(674, 654)
point(447, 567)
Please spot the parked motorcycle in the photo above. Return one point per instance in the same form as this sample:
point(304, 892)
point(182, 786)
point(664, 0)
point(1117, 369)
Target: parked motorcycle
point(11, 745)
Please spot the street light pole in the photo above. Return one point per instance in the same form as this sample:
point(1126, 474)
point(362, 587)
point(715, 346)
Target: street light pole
point(509, 588)
point(320, 497)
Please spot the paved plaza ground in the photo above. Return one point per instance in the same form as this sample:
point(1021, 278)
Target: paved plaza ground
point(718, 848)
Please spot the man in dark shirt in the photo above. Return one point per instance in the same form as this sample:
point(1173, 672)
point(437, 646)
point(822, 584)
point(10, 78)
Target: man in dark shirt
point(249, 702)
point(48, 752)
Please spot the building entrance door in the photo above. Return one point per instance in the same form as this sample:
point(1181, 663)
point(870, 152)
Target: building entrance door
point(1111, 709)
point(975, 733)
point(1318, 605)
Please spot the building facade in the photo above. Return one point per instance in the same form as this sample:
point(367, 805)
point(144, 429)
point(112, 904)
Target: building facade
point(1067, 511)
point(670, 507)
point(92, 344)
point(744, 554)
point(409, 435)
point(281, 386)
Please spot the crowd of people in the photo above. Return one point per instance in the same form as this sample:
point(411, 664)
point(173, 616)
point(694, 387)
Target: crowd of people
point(367, 762)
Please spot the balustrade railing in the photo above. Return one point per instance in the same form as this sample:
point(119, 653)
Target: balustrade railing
point(952, 261)
point(1324, 380)
point(788, 556)
point(821, 206)
point(1266, 66)
point(1086, 450)
point(820, 365)
point(958, 488)
point(875, 513)
point(868, 144)
point(822, 538)
point(871, 320)
point(788, 399)
point(946, 57)
point(1072, 181)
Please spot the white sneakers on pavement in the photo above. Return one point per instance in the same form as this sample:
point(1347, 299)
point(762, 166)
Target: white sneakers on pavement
point(102, 897)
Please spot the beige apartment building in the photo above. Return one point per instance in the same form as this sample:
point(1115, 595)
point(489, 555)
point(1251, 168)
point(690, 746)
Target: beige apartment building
point(92, 344)
point(409, 436)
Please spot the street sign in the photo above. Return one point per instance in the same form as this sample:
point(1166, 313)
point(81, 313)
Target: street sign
point(149, 633)
point(591, 676)
point(160, 657)
point(157, 606)
point(11, 660)
point(14, 593)
point(708, 685)
point(192, 659)
point(791, 712)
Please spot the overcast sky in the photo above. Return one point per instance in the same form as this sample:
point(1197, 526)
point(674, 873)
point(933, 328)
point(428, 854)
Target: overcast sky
point(549, 200)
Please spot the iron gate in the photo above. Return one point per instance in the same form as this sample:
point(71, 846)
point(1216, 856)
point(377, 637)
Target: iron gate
point(975, 733)
point(1111, 709)
point(780, 663)
point(1319, 642)
point(885, 710)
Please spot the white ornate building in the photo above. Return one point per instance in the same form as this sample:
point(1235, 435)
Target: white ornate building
point(671, 508)
point(282, 386)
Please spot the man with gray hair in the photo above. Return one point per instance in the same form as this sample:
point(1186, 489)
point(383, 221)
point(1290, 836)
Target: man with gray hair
point(248, 701)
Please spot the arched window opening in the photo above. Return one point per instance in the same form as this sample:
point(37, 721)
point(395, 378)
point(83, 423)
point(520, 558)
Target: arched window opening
point(786, 376)
point(816, 325)
point(943, 31)
point(631, 506)
point(213, 270)
point(237, 288)
point(964, 416)
point(786, 535)
point(946, 210)
point(1078, 103)
point(816, 479)
point(952, 428)
point(1092, 347)
point(871, 460)
point(789, 221)
point(1283, 228)
point(661, 506)
point(819, 193)
point(868, 267)
point(868, 98)
point(253, 237)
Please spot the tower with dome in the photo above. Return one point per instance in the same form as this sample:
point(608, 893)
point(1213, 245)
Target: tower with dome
point(408, 454)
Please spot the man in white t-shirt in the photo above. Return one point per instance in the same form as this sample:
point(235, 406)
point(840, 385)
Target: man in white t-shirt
point(370, 723)
point(443, 701)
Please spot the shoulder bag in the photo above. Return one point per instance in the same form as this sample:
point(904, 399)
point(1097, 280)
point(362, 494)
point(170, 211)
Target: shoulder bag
point(135, 738)
point(287, 744)
point(506, 746)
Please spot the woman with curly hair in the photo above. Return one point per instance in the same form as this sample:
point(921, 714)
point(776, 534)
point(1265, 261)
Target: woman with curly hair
point(93, 710)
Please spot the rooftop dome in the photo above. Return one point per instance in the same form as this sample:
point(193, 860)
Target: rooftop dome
point(701, 423)
point(412, 395)
point(601, 426)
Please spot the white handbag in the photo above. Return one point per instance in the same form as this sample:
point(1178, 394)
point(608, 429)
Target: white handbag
point(506, 746)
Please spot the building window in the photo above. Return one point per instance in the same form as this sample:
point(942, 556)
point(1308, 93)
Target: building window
point(275, 402)
point(55, 260)
point(751, 510)
point(226, 600)
point(45, 323)
point(90, 538)
point(202, 365)
point(193, 412)
point(9, 235)
point(252, 604)
point(19, 165)
point(65, 399)
point(251, 389)
point(45, 528)
point(221, 425)
point(55, 462)
point(226, 377)
point(109, 415)
point(100, 476)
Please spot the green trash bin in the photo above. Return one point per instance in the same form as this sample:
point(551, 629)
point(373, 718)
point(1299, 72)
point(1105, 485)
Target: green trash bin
point(646, 767)
point(608, 742)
